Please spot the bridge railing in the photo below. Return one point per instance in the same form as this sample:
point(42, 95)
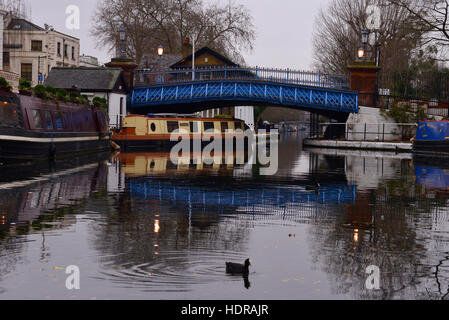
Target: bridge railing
point(143, 78)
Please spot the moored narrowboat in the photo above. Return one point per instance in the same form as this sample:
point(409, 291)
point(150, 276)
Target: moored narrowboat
point(432, 138)
point(33, 128)
point(155, 131)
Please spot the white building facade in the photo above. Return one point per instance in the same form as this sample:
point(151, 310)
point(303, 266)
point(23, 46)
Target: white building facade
point(32, 51)
point(88, 61)
point(246, 114)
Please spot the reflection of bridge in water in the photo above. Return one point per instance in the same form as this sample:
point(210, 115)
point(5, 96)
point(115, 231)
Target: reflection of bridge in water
point(276, 196)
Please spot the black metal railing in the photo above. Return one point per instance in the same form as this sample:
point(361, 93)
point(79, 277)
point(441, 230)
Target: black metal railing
point(381, 132)
point(428, 86)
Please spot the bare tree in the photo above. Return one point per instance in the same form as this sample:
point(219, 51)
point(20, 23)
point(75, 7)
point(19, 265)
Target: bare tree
point(149, 23)
point(19, 8)
point(431, 18)
point(339, 28)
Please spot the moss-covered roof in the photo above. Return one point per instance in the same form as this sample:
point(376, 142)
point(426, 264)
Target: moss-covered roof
point(86, 79)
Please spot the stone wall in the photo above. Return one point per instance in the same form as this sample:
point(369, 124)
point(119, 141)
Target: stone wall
point(370, 124)
point(12, 78)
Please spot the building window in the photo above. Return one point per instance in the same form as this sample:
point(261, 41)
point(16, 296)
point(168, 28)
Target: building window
point(5, 59)
point(73, 53)
point(59, 49)
point(65, 50)
point(36, 45)
point(27, 71)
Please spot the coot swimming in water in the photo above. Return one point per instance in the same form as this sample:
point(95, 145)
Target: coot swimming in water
point(237, 268)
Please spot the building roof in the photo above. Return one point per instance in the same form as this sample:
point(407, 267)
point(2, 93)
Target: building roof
point(19, 24)
point(182, 62)
point(86, 79)
point(153, 61)
point(173, 61)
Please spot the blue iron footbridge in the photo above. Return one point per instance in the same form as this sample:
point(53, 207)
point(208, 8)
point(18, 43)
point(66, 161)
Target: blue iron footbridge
point(189, 90)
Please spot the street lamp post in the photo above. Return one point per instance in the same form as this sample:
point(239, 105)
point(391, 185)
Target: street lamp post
point(160, 53)
point(193, 58)
point(122, 35)
point(361, 53)
point(40, 75)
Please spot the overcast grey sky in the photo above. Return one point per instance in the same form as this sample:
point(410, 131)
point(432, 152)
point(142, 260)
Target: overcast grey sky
point(284, 28)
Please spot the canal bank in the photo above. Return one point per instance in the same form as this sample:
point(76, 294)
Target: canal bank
point(369, 129)
point(360, 145)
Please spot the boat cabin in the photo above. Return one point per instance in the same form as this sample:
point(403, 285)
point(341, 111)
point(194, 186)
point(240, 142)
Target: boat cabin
point(148, 125)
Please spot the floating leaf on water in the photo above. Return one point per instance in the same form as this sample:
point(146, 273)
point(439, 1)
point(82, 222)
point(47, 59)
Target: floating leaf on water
point(57, 268)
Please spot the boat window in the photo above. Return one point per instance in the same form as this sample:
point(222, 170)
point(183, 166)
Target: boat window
point(48, 121)
point(8, 114)
point(172, 126)
point(208, 126)
point(36, 119)
point(153, 127)
point(224, 127)
point(58, 122)
point(238, 125)
point(194, 127)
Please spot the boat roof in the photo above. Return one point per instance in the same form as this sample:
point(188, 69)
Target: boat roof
point(442, 121)
point(174, 116)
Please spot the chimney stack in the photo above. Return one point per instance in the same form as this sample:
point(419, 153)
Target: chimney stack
point(186, 48)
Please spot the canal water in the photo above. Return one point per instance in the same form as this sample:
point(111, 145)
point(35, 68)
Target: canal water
point(139, 227)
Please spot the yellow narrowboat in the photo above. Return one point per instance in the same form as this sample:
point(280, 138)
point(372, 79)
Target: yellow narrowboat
point(156, 131)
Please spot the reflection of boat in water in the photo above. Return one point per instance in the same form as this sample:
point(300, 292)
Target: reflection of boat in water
point(151, 132)
point(432, 177)
point(151, 163)
point(25, 200)
point(432, 139)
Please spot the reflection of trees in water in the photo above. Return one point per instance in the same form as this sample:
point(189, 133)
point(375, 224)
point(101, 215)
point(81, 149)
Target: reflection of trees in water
point(388, 227)
point(10, 256)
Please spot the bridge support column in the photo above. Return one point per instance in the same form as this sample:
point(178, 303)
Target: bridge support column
point(314, 125)
point(364, 80)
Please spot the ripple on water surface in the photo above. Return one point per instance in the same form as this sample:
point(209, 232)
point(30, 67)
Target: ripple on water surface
point(173, 271)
